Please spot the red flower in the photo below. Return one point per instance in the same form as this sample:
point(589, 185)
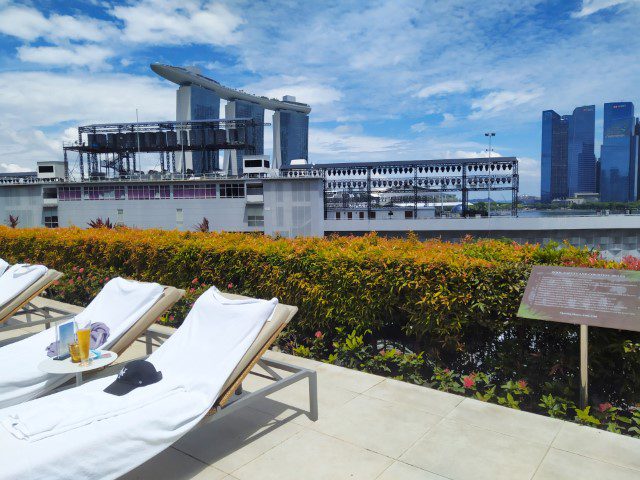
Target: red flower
point(230, 286)
point(318, 334)
point(81, 270)
point(603, 407)
point(194, 281)
point(71, 281)
point(469, 381)
point(522, 384)
point(447, 371)
point(106, 279)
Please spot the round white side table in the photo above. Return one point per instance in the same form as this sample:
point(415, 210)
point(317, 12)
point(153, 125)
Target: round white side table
point(67, 367)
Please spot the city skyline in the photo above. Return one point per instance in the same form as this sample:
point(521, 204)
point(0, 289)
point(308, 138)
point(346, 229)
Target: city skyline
point(386, 80)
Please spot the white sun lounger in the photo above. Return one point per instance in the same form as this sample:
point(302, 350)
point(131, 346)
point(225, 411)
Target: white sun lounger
point(20, 284)
point(127, 307)
point(3, 266)
point(86, 433)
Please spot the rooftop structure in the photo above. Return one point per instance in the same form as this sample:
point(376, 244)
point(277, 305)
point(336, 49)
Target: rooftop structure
point(183, 76)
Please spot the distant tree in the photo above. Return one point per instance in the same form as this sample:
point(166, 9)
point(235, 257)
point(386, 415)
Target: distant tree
point(14, 221)
point(99, 223)
point(203, 226)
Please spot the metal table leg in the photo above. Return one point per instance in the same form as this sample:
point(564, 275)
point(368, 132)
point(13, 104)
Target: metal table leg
point(78, 379)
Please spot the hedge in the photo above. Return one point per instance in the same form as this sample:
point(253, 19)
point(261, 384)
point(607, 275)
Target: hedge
point(454, 302)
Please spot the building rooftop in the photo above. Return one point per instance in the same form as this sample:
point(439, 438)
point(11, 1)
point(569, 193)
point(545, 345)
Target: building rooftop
point(371, 427)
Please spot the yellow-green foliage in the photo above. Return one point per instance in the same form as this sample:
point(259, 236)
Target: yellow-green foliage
point(435, 288)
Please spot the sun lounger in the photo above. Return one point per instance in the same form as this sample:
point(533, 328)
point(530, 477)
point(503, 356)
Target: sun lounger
point(127, 307)
point(87, 433)
point(3, 266)
point(20, 284)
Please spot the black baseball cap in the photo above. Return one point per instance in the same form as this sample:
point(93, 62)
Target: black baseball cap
point(138, 373)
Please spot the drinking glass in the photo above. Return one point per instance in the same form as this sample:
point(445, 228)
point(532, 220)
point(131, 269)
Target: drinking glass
point(74, 351)
point(84, 341)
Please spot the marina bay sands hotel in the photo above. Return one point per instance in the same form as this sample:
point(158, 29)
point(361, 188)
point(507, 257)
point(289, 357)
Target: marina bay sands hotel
point(198, 98)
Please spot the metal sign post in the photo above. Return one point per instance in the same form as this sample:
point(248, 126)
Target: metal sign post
point(584, 366)
point(587, 297)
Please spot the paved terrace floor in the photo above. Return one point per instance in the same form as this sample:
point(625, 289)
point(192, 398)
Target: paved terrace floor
point(371, 427)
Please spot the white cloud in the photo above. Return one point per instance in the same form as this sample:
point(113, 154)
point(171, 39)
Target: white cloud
point(592, 6)
point(91, 56)
point(496, 103)
point(448, 120)
point(37, 107)
point(341, 144)
point(166, 22)
point(443, 88)
point(419, 127)
point(30, 24)
point(12, 168)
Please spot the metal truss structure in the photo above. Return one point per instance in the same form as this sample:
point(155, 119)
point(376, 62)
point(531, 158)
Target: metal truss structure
point(411, 184)
point(113, 149)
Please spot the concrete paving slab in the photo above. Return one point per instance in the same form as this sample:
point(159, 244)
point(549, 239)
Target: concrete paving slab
point(174, 465)
point(528, 426)
point(377, 425)
point(561, 465)
point(415, 396)
point(315, 456)
point(464, 452)
point(599, 444)
point(235, 440)
point(399, 470)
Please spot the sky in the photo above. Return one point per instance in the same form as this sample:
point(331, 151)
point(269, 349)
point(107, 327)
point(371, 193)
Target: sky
point(387, 80)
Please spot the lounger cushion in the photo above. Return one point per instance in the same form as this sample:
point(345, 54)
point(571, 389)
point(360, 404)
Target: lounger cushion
point(195, 362)
point(3, 266)
point(119, 305)
point(17, 279)
point(31, 291)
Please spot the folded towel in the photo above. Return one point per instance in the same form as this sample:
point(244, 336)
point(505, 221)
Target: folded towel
point(99, 336)
point(27, 422)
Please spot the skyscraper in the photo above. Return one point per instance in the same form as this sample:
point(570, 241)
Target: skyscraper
point(290, 137)
point(553, 179)
point(196, 103)
point(253, 136)
point(568, 161)
point(581, 159)
point(619, 154)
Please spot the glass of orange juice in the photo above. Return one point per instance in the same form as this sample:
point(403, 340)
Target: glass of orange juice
point(84, 342)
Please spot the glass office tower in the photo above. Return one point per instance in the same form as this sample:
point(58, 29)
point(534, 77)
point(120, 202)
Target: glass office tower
point(290, 137)
point(619, 155)
point(197, 103)
point(581, 159)
point(553, 179)
point(253, 136)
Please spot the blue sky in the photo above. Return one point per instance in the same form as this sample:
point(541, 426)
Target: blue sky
point(386, 79)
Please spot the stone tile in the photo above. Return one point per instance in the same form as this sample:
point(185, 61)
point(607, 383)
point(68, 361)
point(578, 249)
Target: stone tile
point(561, 465)
point(399, 470)
point(236, 439)
point(377, 425)
point(292, 359)
point(462, 452)
point(172, 464)
point(347, 379)
point(599, 444)
point(312, 455)
point(422, 398)
point(292, 402)
point(528, 426)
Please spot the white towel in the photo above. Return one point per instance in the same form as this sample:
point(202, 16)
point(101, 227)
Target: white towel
point(79, 409)
point(3, 266)
point(119, 305)
point(200, 356)
point(17, 279)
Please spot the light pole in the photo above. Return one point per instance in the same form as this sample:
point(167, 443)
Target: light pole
point(490, 135)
